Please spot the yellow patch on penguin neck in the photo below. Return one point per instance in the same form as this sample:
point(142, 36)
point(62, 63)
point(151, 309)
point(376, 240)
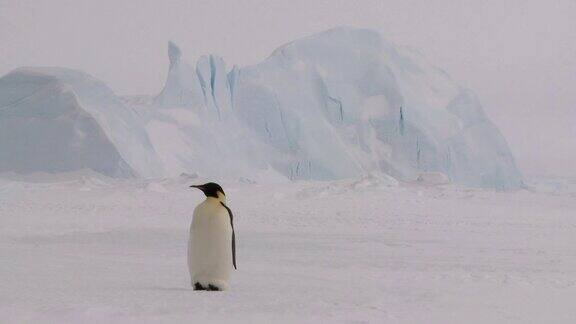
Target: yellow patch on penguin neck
point(221, 197)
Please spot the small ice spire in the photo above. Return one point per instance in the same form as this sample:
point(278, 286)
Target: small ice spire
point(174, 53)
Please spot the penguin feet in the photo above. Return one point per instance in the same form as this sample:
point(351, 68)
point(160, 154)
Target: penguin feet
point(211, 287)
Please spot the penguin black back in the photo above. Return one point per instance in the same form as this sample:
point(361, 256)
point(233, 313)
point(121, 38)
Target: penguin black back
point(233, 234)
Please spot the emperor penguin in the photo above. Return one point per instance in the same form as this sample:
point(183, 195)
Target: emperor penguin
point(212, 243)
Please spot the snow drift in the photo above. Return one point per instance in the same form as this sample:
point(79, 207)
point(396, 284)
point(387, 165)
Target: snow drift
point(341, 104)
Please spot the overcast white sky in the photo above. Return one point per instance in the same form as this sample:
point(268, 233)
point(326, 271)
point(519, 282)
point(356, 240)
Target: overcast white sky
point(518, 56)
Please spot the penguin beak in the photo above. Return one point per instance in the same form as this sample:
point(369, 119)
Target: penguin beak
point(197, 187)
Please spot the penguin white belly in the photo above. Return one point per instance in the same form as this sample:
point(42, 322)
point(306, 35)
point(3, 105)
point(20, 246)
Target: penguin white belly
point(210, 245)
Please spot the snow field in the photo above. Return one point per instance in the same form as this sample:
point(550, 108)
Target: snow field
point(114, 251)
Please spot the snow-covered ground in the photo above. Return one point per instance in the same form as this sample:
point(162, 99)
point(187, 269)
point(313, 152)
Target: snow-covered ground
point(111, 251)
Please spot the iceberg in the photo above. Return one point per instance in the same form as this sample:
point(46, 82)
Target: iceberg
point(346, 103)
point(57, 120)
point(341, 104)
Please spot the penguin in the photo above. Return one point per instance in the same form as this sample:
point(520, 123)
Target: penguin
point(212, 243)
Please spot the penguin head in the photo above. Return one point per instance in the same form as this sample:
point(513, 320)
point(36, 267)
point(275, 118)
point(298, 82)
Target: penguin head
point(210, 189)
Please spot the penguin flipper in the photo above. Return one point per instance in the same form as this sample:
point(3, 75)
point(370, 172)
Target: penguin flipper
point(233, 234)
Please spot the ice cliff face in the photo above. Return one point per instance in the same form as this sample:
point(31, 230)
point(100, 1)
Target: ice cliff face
point(346, 102)
point(203, 87)
point(192, 126)
point(55, 120)
point(343, 103)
